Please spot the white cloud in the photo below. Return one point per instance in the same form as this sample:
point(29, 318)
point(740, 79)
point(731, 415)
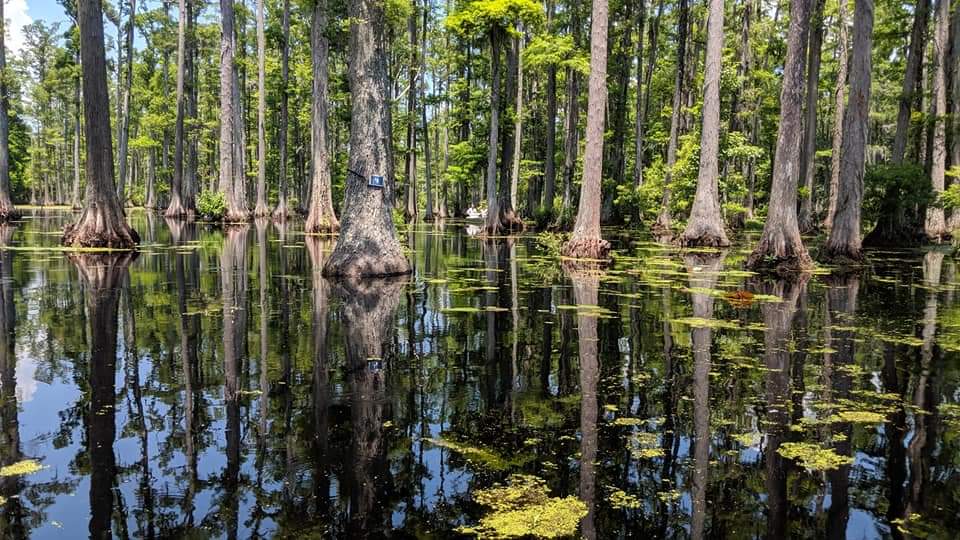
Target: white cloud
point(17, 17)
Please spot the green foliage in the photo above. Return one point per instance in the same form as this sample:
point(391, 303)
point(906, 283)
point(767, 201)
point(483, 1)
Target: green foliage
point(558, 51)
point(895, 189)
point(482, 16)
point(212, 205)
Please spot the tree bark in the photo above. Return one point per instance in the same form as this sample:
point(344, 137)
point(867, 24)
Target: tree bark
point(430, 212)
point(781, 248)
point(705, 226)
point(665, 220)
point(261, 209)
point(368, 244)
point(508, 218)
point(176, 209)
point(911, 79)
point(231, 143)
point(7, 211)
point(643, 84)
point(492, 225)
point(124, 135)
point(411, 151)
point(936, 226)
point(321, 217)
point(838, 114)
point(102, 222)
point(572, 120)
point(550, 158)
point(586, 242)
point(517, 125)
point(844, 243)
point(282, 211)
point(77, 111)
point(808, 154)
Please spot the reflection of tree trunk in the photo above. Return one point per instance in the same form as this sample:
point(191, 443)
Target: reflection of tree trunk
point(920, 444)
point(321, 398)
point(703, 275)
point(585, 292)
point(842, 302)
point(13, 515)
point(896, 430)
point(102, 277)
point(369, 308)
point(234, 289)
point(778, 318)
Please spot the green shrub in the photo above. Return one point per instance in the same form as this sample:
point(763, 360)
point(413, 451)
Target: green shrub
point(212, 205)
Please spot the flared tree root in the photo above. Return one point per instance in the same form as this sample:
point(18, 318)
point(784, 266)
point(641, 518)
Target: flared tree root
point(322, 225)
point(787, 263)
point(586, 248)
point(97, 230)
point(365, 264)
point(704, 237)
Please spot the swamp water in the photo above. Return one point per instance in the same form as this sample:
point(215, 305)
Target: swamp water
point(218, 386)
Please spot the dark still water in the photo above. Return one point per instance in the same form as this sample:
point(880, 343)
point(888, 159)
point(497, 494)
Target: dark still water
point(217, 386)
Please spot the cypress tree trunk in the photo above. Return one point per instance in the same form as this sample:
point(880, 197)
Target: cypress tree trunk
point(550, 158)
point(7, 211)
point(936, 226)
point(321, 217)
point(509, 220)
point(642, 89)
point(586, 242)
point(411, 158)
point(616, 158)
point(124, 134)
point(664, 220)
point(705, 226)
point(911, 79)
point(431, 210)
point(808, 154)
point(176, 209)
point(282, 212)
point(261, 209)
point(231, 143)
point(102, 222)
point(781, 249)
point(188, 195)
point(572, 120)
point(838, 114)
point(492, 222)
point(844, 243)
point(77, 111)
point(368, 244)
point(517, 125)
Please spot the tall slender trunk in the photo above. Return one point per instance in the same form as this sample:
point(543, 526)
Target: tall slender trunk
point(571, 129)
point(261, 209)
point(124, 134)
point(77, 111)
point(808, 154)
point(175, 208)
point(641, 112)
point(492, 224)
point(411, 158)
point(517, 125)
point(911, 79)
point(550, 157)
point(844, 242)
point(936, 226)
point(665, 219)
point(615, 161)
point(705, 226)
point(428, 172)
point(321, 217)
point(231, 144)
point(7, 212)
point(781, 248)
point(283, 211)
point(586, 241)
point(838, 114)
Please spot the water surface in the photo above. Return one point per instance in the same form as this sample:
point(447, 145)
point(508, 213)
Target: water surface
point(217, 386)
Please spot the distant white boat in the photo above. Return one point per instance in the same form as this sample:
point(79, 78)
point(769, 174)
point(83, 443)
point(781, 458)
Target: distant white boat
point(473, 213)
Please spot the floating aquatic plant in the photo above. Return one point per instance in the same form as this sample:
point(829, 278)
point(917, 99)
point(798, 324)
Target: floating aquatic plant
point(621, 500)
point(21, 468)
point(523, 508)
point(813, 456)
point(473, 454)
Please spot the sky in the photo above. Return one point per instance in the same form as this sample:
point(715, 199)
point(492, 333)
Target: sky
point(20, 13)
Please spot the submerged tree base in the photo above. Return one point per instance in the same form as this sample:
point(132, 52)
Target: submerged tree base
point(704, 236)
point(100, 229)
point(236, 217)
point(586, 248)
point(785, 260)
point(506, 222)
point(10, 214)
point(322, 225)
point(842, 256)
point(365, 260)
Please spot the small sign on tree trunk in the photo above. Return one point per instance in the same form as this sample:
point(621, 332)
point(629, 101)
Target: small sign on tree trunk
point(376, 182)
